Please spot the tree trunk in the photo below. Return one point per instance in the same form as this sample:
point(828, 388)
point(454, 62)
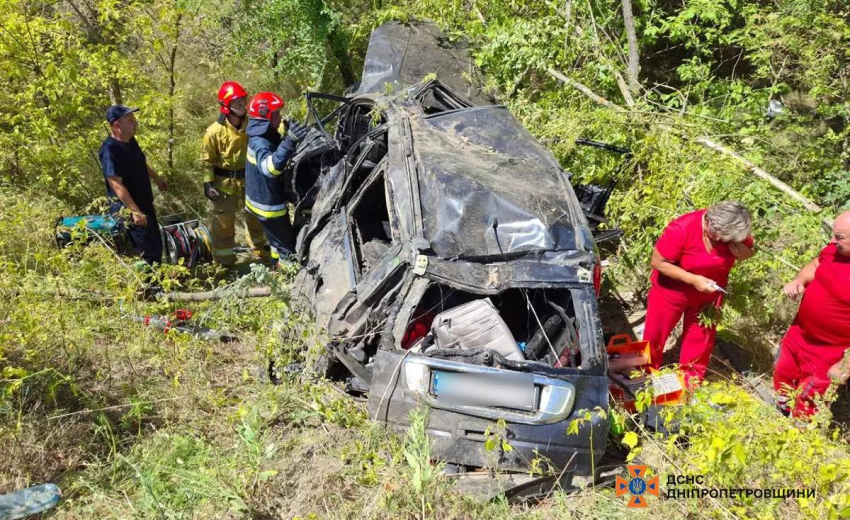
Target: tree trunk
point(339, 49)
point(115, 92)
point(634, 57)
point(172, 87)
point(96, 34)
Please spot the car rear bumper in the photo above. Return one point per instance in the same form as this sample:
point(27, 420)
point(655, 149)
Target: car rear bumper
point(459, 432)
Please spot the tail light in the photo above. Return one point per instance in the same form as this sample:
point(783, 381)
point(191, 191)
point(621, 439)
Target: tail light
point(597, 279)
point(417, 329)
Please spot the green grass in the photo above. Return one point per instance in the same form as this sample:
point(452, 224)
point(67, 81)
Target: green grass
point(133, 423)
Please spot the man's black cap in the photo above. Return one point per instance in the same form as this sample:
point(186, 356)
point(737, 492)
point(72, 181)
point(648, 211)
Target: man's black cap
point(116, 111)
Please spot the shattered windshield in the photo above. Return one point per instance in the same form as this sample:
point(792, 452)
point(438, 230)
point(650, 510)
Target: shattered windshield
point(488, 188)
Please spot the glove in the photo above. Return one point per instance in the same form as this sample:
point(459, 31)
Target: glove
point(296, 131)
point(210, 192)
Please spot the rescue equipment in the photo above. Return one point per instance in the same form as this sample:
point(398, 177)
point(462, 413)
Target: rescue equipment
point(629, 372)
point(179, 321)
point(187, 240)
point(91, 227)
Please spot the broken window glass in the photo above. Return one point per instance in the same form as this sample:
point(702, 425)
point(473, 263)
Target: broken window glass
point(359, 120)
point(370, 225)
point(435, 97)
point(362, 160)
point(325, 110)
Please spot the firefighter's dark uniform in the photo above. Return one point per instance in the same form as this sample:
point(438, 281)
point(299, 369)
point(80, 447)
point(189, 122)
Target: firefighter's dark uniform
point(265, 184)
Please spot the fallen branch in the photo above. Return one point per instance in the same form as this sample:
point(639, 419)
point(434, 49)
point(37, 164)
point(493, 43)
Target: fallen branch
point(758, 172)
point(624, 89)
point(479, 15)
point(708, 143)
point(621, 83)
point(585, 90)
point(254, 292)
point(116, 407)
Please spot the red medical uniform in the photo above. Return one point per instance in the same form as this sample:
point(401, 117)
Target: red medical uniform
point(669, 300)
point(819, 335)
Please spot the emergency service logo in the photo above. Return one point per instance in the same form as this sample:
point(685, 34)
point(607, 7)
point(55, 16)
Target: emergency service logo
point(637, 486)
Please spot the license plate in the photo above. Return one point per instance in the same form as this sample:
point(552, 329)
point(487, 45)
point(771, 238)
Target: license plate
point(512, 390)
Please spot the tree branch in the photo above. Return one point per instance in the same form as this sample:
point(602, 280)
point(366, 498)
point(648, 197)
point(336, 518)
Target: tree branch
point(634, 57)
point(254, 292)
point(758, 172)
point(624, 89)
point(703, 141)
point(584, 90)
point(479, 14)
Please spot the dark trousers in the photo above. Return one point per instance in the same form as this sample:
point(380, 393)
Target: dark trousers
point(281, 236)
point(146, 240)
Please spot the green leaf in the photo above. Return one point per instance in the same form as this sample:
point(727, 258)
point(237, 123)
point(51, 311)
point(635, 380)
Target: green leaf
point(739, 453)
point(630, 439)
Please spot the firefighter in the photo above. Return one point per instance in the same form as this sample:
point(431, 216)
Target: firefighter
point(223, 157)
point(128, 179)
point(266, 194)
point(690, 265)
point(814, 351)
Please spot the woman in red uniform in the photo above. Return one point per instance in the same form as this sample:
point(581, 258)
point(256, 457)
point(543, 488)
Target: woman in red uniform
point(690, 261)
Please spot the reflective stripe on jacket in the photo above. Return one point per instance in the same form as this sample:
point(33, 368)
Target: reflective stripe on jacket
point(265, 182)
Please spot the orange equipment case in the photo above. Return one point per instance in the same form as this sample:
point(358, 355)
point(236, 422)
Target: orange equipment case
point(625, 357)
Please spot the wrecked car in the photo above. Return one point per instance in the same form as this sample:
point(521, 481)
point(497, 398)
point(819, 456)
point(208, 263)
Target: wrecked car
point(448, 257)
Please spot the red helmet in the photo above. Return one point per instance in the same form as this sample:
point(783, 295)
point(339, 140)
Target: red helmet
point(229, 91)
point(263, 104)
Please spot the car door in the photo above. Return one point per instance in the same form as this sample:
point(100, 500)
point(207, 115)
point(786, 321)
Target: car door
point(329, 248)
point(342, 179)
point(372, 251)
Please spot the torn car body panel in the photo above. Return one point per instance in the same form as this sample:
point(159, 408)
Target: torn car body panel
point(400, 55)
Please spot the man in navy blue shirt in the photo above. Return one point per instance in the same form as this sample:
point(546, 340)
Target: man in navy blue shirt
point(128, 185)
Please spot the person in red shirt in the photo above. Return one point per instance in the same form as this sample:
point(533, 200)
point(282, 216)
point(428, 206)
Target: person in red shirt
point(690, 264)
point(812, 353)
